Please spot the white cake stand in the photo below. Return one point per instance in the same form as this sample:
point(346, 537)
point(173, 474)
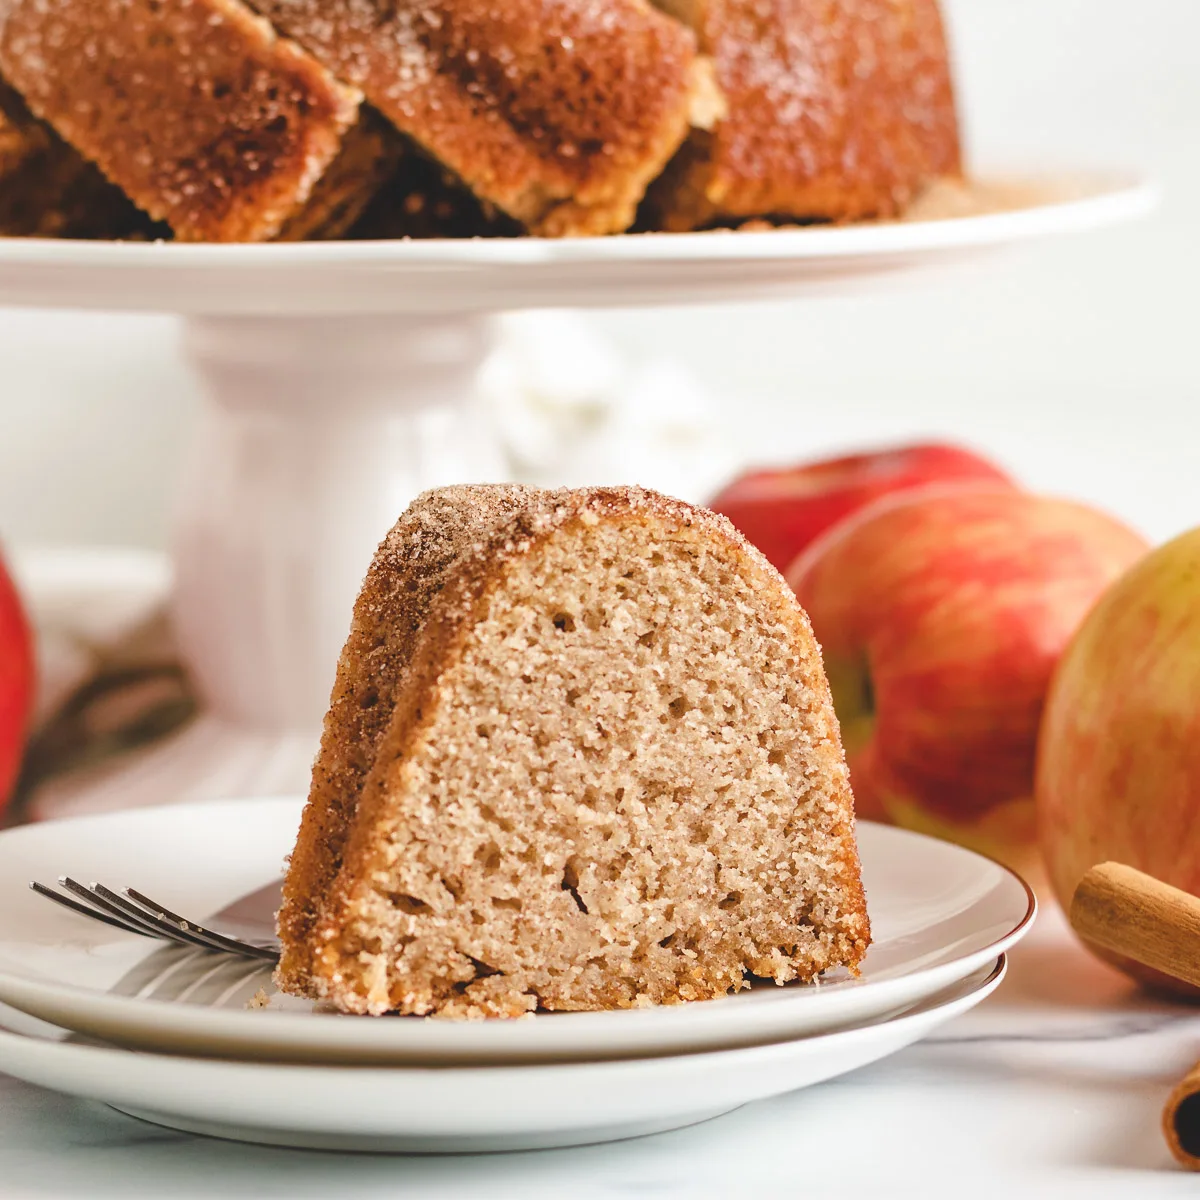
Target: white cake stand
point(340, 384)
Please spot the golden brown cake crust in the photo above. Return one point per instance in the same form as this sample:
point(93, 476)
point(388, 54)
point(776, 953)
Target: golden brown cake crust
point(559, 114)
point(436, 590)
point(47, 189)
point(835, 109)
point(204, 117)
point(408, 573)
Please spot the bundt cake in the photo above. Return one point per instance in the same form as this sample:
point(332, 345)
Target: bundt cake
point(580, 755)
point(833, 109)
point(195, 108)
point(232, 121)
point(559, 114)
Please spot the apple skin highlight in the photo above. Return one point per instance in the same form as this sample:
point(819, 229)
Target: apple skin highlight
point(942, 614)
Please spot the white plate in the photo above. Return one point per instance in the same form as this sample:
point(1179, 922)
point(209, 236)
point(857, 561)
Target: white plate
point(939, 913)
point(452, 1109)
point(487, 275)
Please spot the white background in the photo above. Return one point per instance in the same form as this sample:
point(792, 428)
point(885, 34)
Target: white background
point(1074, 362)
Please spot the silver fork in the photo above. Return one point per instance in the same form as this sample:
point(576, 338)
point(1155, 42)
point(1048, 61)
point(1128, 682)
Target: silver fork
point(136, 913)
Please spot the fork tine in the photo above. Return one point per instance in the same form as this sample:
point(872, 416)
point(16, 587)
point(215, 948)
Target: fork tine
point(131, 915)
point(219, 941)
point(180, 933)
point(86, 910)
point(135, 913)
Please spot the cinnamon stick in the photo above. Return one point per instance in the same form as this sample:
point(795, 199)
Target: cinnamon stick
point(1181, 1120)
point(1140, 917)
point(1144, 919)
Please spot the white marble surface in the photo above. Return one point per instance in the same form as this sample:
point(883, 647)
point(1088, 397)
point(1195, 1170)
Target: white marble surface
point(1051, 1089)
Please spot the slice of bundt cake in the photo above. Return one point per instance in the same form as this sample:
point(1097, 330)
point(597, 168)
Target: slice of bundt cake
point(379, 185)
point(833, 109)
point(194, 108)
point(47, 189)
point(559, 114)
point(580, 755)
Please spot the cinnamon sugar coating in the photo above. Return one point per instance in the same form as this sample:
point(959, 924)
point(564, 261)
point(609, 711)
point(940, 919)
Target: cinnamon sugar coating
point(195, 108)
point(580, 754)
point(559, 114)
point(834, 109)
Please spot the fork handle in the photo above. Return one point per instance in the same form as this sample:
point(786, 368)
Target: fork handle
point(1133, 914)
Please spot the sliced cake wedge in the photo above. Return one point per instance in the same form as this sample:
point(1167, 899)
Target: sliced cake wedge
point(830, 110)
point(580, 755)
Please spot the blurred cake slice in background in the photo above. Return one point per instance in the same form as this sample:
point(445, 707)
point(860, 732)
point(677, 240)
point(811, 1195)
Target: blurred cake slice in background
point(224, 122)
point(831, 110)
point(379, 185)
point(371, 155)
point(422, 199)
point(47, 189)
point(195, 108)
point(383, 186)
point(559, 114)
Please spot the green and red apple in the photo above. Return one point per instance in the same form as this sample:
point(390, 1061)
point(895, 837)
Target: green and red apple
point(942, 614)
point(783, 511)
point(1118, 764)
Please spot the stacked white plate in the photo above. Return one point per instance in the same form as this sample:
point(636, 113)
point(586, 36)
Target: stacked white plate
point(175, 1036)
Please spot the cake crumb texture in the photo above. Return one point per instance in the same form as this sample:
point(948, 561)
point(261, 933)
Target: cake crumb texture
point(580, 755)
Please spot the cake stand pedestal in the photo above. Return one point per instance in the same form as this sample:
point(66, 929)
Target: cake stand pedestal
point(318, 432)
point(340, 383)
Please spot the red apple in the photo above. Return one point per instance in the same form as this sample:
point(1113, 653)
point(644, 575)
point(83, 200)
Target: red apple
point(783, 511)
point(1118, 765)
point(942, 614)
point(16, 683)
